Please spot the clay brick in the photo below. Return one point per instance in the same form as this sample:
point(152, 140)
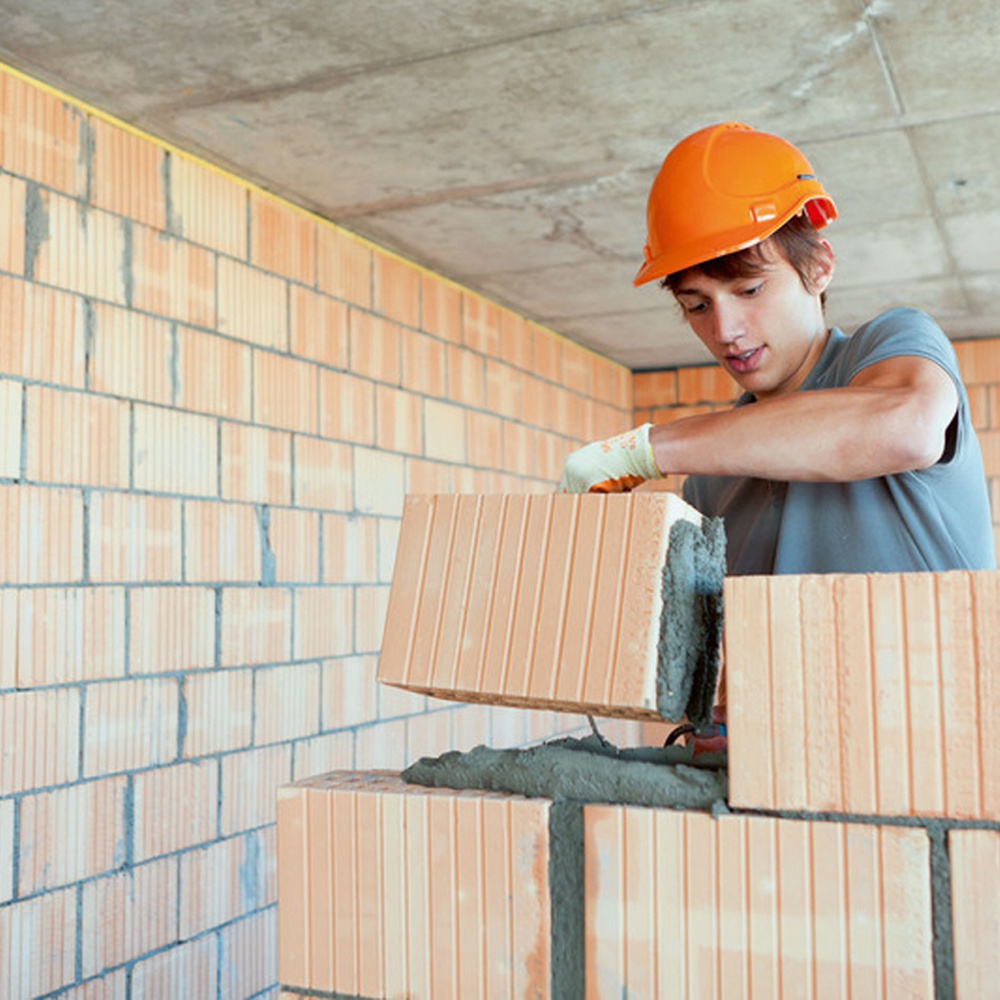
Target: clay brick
point(45, 727)
point(466, 376)
point(350, 549)
point(399, 420)
point(346, 408)
point(44, 337)
point(318, 327)
point(576, 369)
point(173, 278)
point(220, 883)
point(369, 621)
point(219, 712)
point(256, 625)
point(444, 431)
point(40, 136)
point(423, 364)
point(249, 955)
point(566, 415)
point(611, 382)
point(413, 881)
point(484, 439)
point(129, 725)
point(705, 385)
point(294, 539)
point(979, 361)
point(441, 313)
point(883, 679)
point(548, 354)
point(396, 287)
point(655, 388)
point(134, 538)
point(109, 986)
point(186, 970)
point(348, 692)
point(11, 406)
point(41, 535)
point(376, 347)
point(94, 811)
point(428, 477)
point(378, 482)
point(128, 174)
point(250, 782)
point(68, 635)
point(8, 841)
point(517, 340)
point(174, 807)
point(504, 390)
point(76, 438)
point(381, 746)
point(282, 238)
point(481, 325)
point(12, 202)
point(285, 392)
point(221, 542)
point(175, 452)
point(344, 266)
point(256, 464)
point(324, 622)
point(38, 944)
point(287, 703)
point(975, 888)
point(680, 904)
point(208, 207)
point(130, 355)
point(171, 629)
point(548, 601)
point(324, 474)
point(334, 751)
point(253, 305)
point(83, 249)
point(214, 375)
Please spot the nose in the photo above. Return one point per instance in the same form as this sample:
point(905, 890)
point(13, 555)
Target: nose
point(727, 322)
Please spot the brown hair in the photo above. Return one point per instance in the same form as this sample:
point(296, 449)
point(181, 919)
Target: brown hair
point(797, 241)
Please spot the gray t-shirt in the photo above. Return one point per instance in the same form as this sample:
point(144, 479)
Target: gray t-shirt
point(930, 519)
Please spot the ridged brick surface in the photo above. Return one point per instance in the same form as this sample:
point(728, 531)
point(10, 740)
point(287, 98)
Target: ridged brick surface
point(684, 905)
point(544, 601)
point(975, 915)
point(389, 890)
point(869, 694)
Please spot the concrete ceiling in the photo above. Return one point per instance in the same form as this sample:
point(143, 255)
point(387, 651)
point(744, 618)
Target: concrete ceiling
point(510, 145)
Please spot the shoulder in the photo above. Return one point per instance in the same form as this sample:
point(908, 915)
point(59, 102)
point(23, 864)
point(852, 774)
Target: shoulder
point(897, 332)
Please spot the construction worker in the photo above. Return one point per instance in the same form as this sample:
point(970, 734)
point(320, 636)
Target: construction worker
point(844, 453)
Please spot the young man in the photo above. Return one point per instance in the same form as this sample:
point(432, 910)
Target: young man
point(844, 454)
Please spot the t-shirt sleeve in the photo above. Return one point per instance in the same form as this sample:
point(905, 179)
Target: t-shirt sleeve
point(898, 333)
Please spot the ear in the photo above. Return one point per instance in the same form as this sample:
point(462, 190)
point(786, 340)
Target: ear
point(824, 266)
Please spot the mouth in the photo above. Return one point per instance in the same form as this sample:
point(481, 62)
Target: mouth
point(745, 361)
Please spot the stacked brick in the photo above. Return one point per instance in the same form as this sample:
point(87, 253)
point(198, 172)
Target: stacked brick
point(859, 855)
point(211, 407)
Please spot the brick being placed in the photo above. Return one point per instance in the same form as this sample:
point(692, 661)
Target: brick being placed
point(601, 604)
point(865, 693)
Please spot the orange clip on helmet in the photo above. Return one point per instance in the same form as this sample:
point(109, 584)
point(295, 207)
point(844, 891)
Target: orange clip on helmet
point(723, 189)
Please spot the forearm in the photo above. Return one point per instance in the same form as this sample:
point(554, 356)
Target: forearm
point(829, 435)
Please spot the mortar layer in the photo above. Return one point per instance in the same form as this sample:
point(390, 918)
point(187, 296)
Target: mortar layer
point(691, 621)
point(587, 770)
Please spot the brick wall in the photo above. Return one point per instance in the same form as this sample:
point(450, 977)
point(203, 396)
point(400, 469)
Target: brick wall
point(211, 407)
point(662, 396)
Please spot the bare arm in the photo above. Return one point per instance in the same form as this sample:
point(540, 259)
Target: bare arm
point(891, 418)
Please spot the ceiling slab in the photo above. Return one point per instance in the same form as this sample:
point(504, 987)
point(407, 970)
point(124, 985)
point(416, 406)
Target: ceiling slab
point(510, 146)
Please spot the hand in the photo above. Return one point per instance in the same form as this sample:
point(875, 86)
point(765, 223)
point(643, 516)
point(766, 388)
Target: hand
point(616, 465)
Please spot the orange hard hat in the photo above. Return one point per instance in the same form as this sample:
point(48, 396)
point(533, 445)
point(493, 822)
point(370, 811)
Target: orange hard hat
point(724, 188)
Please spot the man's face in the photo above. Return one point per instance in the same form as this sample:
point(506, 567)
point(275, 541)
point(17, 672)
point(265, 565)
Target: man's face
point(767, 331)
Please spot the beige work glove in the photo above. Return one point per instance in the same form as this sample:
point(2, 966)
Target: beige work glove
point(616, 465)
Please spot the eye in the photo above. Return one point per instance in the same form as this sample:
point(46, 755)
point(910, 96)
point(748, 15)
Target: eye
point(752, 290)
point(694, 307)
